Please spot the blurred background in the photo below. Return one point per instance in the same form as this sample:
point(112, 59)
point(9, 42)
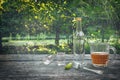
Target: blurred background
point(46, 26)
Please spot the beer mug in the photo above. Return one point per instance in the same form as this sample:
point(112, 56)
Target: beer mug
point(100, 54)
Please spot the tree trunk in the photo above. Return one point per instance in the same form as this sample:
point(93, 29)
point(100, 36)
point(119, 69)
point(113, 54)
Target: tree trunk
point(102, 34)
point(57, 36)
point(0, 43)
point(102, 30)
point(118, 30)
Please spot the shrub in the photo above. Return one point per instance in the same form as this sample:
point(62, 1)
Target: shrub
point(117, 46)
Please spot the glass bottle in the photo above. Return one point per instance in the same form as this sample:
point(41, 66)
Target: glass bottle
point(78, 43)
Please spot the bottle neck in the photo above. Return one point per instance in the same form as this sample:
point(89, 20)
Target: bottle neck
point(78, 26)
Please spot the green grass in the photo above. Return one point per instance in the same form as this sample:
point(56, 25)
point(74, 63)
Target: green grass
point(31, 42)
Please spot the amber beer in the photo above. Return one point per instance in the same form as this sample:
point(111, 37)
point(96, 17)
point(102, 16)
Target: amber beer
point(100, 58)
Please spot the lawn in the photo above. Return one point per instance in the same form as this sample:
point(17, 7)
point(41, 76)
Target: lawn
point(32, 42)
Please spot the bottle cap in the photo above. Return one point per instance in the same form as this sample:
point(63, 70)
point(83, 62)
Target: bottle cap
point(78, 19)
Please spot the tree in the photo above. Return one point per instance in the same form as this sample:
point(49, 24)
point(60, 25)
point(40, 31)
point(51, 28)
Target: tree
point(30, 17)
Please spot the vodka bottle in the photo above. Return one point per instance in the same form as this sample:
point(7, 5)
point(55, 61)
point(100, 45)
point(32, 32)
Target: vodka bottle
point(78, 43)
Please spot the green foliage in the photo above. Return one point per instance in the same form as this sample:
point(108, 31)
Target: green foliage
point(27, 37)
point(34, 17)
point(43, 36)
point(18, 37)
point(31, 47)
point(27, 18)
point(64, 47)
point(10, 37)
point(117, 46)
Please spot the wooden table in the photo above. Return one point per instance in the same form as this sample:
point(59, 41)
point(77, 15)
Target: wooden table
point(31, 67)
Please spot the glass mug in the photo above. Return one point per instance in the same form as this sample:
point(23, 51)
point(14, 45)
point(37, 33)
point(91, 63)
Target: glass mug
point(100, 54)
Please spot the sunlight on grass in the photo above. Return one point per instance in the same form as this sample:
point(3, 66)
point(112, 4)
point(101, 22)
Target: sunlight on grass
point(31, 42)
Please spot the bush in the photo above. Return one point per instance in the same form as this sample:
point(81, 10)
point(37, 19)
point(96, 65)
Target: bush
point(117, 46)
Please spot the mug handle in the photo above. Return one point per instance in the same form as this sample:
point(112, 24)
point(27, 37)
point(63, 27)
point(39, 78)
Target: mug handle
point(114, 53)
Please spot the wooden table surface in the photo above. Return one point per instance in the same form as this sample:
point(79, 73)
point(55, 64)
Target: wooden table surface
point(31, 67)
